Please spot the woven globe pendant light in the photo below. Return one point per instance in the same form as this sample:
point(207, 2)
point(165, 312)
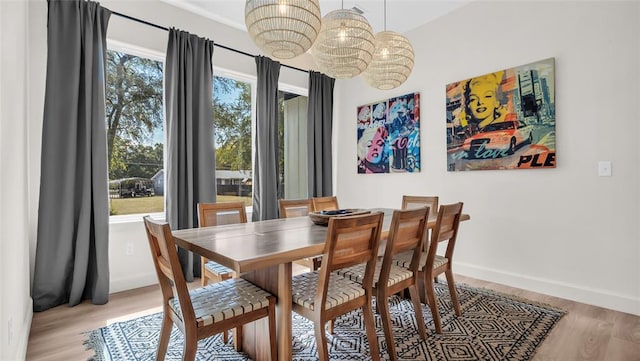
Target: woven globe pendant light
point(283, 29)
point(392, 61)
point(345, 45)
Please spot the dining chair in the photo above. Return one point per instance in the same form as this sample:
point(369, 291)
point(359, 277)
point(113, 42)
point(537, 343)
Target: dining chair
point(217, 214)
point(290, 208)
point(329, 203)
point(406, 234)
point(323, 295)
point(432, 264)
point(411, 202)
point(204, 311)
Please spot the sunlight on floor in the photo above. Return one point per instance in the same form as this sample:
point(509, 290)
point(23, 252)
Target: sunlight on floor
point(130, 316)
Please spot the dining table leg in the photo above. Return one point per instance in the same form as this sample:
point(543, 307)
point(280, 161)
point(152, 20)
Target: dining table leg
point(284, 327)
point(276, 280)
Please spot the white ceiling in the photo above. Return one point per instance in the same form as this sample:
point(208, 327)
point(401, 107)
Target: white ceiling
point(402, 15)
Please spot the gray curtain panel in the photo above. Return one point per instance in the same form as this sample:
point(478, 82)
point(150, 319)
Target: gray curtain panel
point(190, 149)
point(265, 171)
point(320, 122)
point(72, 253)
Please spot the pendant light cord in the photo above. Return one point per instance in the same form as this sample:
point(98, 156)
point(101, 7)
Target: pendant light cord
point(385, 15)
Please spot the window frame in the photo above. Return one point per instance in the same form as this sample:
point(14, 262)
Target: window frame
point(252, 80)
point(292, 89)
point(119, 46)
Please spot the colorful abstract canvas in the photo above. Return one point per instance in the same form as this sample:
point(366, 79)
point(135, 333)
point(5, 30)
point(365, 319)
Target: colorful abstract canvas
point(389, 135)
point(503, 120)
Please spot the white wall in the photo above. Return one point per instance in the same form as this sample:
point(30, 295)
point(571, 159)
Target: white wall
point(564, 231)
point(15, 302)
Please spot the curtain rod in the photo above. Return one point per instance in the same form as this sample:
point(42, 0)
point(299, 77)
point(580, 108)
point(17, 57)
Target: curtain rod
point(214, 43)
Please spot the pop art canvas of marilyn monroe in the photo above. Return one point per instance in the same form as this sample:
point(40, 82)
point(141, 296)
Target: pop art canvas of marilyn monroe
point(389, 136)
point(373, 153)
point(503, 120)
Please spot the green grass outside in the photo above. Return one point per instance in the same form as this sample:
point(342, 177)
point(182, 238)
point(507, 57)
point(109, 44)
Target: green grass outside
point(247, 200)
point(120, 206)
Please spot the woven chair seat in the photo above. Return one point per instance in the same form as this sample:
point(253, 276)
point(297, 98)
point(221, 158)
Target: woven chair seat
point(223, 300)
point(218, 269)
point(340, 290)
point(404, 260)
point(356, 274)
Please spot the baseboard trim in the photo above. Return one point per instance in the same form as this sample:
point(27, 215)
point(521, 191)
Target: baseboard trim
point(596, 297)
point(129, 283)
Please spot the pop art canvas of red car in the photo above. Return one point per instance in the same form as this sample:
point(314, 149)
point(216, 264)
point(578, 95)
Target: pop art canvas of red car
point(503, 120)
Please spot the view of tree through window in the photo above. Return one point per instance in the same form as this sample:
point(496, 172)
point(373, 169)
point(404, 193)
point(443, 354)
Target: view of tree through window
point(135, 135)
point(232, 129)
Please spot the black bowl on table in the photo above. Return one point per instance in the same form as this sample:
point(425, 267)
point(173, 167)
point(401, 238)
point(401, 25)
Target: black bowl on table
point(322, 217)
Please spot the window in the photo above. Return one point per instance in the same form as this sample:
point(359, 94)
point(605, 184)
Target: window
point(233, 139)
point(135, 135)
point(232, 136)
point(292, 129)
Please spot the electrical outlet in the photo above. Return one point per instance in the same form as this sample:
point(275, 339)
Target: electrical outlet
point(10, 330)
point(129, 251)
point(604, 168)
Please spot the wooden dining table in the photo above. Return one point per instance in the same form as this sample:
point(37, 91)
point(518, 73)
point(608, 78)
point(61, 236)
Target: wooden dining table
point(262, 252)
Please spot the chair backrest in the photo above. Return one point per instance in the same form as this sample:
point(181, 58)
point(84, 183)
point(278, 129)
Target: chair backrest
point(407, 233)
point(412, 202)
point(324, 203)
point(350, 241)
point(290, 208)
point(446, 230)
point(218, 214)
point(168, 269)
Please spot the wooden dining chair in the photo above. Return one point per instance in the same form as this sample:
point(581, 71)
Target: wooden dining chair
point(217, 214)
point(411, 202)
point(290, 208)
point(324, 203)
point(323, 295)
point(445, 230)
point(406, 234)
point(205, 311)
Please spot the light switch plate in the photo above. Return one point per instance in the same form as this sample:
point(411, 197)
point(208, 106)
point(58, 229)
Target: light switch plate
point(604, 168)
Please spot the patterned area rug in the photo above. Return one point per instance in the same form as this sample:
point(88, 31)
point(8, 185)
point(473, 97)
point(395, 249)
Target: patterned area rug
point(492, 327)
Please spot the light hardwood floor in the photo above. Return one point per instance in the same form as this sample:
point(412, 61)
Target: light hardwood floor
point(584, 333)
